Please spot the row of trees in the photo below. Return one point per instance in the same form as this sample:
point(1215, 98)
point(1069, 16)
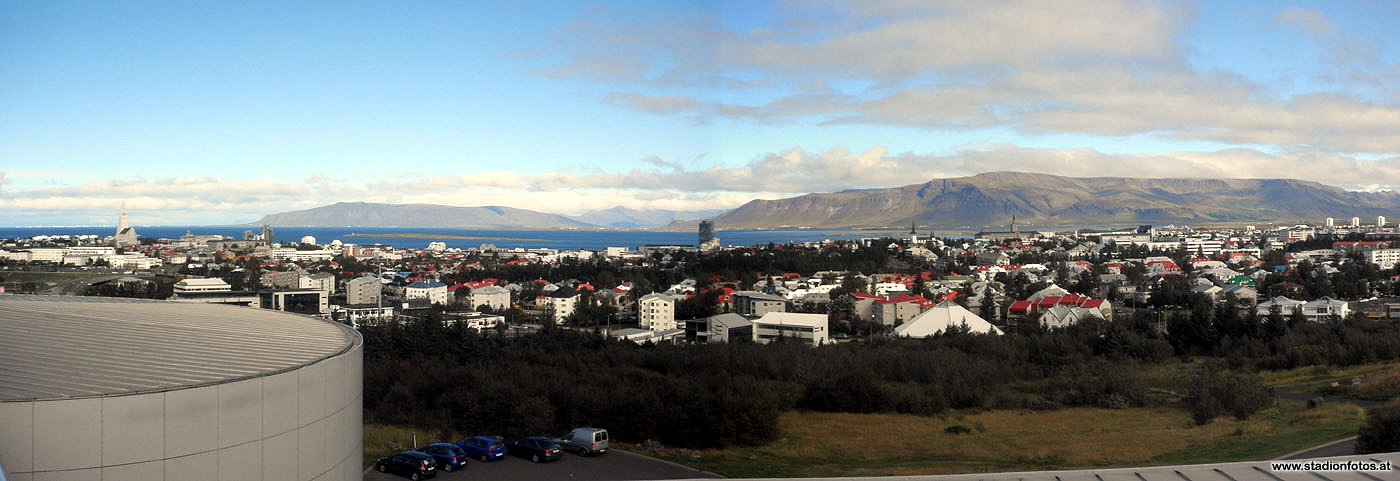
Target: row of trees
point(714, 395)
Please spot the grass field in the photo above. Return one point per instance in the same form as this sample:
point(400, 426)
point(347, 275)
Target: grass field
point(1311, 374)
point(383, 440)
point(827, 444)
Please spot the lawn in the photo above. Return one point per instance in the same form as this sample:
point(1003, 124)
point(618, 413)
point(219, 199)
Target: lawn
point(383, 440)
point(828, 444)
point(1312, 374)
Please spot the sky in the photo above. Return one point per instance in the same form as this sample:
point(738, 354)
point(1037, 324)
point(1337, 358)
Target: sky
point(205, 113)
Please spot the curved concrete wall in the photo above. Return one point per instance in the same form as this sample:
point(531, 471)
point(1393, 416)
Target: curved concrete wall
point(300, 425)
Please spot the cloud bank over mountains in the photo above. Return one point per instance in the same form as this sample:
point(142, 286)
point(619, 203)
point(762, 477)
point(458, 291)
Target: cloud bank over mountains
point(1084, 89)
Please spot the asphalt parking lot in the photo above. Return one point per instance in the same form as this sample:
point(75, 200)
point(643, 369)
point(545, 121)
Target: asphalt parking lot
point(615, 465)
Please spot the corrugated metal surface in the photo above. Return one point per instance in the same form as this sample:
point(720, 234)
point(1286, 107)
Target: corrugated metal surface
point(54, 347)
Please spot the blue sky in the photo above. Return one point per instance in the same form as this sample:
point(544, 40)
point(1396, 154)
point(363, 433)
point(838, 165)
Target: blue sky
point(208, 113)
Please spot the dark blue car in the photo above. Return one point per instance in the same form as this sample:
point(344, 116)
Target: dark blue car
point(536, 448)
point(413, 464)
point(485, 448)
point(449, 457)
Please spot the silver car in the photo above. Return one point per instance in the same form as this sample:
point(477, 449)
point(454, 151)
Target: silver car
point(585, 440)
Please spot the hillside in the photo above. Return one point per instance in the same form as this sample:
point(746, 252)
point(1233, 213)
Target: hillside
point(363, 214)
point(1041, 199)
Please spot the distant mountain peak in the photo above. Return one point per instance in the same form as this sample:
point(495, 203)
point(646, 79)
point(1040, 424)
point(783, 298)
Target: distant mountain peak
point(992, 198)
point(368, 214)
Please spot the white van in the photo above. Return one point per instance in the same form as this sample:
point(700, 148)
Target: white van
point(585, 440)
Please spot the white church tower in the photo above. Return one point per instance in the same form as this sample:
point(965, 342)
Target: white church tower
point(126, 235)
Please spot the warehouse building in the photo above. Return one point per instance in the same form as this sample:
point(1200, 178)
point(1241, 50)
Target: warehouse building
point(116, 389)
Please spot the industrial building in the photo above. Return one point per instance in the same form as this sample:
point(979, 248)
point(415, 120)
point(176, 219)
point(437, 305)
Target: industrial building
point(124, 389)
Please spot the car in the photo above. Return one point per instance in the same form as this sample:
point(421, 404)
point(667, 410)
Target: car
point(448, 456)
point(536, 448)
point(485, 448)
point(585, 440)
point(413, 464)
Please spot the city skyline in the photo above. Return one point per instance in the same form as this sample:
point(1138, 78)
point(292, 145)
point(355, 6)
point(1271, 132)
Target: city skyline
point(213, 114)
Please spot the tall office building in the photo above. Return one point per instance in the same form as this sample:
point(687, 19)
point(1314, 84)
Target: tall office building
point(707, 232)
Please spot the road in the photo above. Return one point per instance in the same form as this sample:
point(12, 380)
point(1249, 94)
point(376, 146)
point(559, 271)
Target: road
point(615, 465)
point(1344, 447)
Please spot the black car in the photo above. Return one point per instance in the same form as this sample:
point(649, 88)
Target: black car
point(413, 464)
point(537, 448)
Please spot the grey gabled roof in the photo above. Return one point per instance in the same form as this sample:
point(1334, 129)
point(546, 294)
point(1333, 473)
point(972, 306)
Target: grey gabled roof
point(57, 347)
point(729, 320)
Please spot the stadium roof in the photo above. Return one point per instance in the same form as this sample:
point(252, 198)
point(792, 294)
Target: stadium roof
point(59, 347)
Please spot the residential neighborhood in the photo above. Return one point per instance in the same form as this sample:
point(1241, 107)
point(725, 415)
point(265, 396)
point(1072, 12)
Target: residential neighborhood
point(909, 286)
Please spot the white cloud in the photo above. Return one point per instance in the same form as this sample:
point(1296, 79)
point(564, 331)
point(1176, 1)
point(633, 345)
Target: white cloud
point(1106, 68)
point(666, 184)
point(1314, 22)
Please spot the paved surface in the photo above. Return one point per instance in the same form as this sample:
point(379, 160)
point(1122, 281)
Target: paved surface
point(1344, 447)
point(615, 465)
point(1248, 471)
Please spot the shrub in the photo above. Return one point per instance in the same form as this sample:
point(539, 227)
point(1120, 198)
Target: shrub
point(1381, 432)
point(1214, 393)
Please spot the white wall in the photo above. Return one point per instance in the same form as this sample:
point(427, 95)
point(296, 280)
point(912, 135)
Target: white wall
point(303, 425)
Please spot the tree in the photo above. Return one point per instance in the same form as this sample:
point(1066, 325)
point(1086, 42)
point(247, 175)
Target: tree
point(1215, 393)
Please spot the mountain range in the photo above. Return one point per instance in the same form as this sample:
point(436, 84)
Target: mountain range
point(983, 199)
point(365, 214)
point(1041, 199)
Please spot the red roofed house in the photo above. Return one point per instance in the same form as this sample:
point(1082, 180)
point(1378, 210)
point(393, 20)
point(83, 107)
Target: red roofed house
point(1032, 308)
point(863, 306)
point(899, 309)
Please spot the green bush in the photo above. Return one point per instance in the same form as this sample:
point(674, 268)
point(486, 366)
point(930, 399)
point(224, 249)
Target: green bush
point(1216, 393)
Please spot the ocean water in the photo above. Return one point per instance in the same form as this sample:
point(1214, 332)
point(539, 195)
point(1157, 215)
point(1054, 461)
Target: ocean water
point(504, 239)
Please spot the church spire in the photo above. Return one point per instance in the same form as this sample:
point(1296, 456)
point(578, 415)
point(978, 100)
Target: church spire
point(121, 222)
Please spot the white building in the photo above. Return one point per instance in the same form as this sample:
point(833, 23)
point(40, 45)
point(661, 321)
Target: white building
point(321, 281)
point(496, 297)
point(477, 320)
point(1324, 309)
point(562, 303)
point(437, 246)
point(1283, 305)
point(363, 291)
point(1385, 258)
point(92, 251)
point(757, 304)
point(885, 288)
point(941, 317)
point(435, 292)
point(806, 328)
point(657, 312)
point(196, 285)
point(132, 260)
point(292, 254)
point(47, 254)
